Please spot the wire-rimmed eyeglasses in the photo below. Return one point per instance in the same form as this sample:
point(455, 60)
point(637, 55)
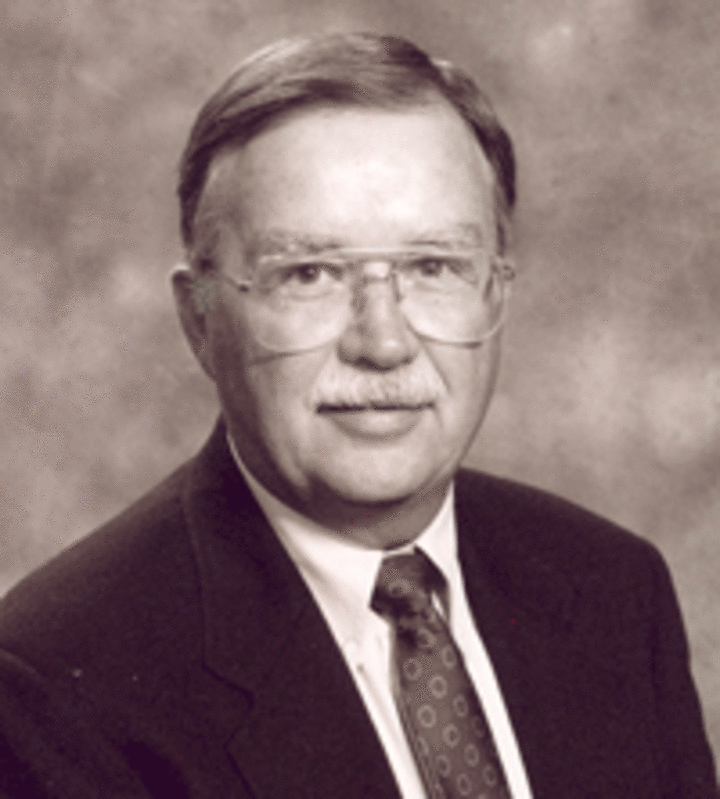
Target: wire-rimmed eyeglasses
point(297, 302)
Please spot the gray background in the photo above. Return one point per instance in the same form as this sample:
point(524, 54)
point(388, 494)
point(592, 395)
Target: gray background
point(610, 393)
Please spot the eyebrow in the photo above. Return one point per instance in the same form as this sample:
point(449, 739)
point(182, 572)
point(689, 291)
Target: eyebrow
point(280, 242)
point(465, 235)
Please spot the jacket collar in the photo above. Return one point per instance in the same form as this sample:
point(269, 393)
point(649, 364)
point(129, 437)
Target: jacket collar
point(250, 589)
point(506, 549)
point(265, 635)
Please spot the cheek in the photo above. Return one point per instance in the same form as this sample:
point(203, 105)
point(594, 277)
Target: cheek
point(279, 389)
point(469, 376)
point(468, 373)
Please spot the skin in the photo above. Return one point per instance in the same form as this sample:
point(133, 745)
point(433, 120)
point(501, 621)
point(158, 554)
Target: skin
point(349, 177)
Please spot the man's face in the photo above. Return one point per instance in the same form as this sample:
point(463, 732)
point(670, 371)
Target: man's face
point(348, 178)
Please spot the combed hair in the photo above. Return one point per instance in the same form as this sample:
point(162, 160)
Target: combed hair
point(345, 69)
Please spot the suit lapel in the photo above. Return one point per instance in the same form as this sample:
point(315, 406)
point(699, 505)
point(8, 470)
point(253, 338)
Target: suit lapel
point(306, 732)
point(523, 609)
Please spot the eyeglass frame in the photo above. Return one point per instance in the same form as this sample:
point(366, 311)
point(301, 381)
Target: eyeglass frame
point(501, 268)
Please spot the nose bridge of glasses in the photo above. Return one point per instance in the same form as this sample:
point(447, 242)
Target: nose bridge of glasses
point(374, 269)
point(377, 327)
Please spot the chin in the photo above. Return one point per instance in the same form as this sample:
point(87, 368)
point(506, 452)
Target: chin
point(376, 486)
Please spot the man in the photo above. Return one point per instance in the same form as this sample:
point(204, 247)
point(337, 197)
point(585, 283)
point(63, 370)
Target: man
point(322, 604)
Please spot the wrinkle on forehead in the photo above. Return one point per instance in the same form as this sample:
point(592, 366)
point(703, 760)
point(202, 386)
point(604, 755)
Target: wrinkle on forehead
point(279, 241)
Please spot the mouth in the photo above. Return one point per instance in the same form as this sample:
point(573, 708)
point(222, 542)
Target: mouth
point(372, 406)
point(377, 421)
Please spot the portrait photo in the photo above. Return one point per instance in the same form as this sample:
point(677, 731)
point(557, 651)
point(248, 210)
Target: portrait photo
point(308, 303)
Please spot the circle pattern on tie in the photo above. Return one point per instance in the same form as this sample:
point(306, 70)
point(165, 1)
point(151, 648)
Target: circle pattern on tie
point(449, 658)
point(412, 669)
point(438, 686)
point(472, 755)
point(490, 776)
point(460, 706)
point(479, 727)
point(443, 765)
point(427, 716)
point(464, 785)
point(451, 735)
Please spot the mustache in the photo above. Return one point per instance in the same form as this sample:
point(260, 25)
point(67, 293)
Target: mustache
point(408, 386)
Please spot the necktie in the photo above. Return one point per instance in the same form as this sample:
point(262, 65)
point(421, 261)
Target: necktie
point(440, 711)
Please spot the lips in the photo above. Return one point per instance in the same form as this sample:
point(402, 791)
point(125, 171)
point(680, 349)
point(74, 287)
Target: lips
point(375, 421)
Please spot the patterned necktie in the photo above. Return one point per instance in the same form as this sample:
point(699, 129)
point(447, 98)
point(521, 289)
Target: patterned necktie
point(439, 708)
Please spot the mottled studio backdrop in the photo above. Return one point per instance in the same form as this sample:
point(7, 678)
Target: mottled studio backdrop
point(610, 393)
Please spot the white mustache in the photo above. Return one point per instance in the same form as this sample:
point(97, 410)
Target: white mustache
point(405, 386)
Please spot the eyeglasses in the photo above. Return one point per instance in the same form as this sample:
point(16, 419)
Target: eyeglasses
point(299, 302)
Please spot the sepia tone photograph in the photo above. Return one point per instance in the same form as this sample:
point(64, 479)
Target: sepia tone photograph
point(377, 342)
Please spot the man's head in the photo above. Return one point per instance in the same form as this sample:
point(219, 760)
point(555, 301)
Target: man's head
point(319, 165)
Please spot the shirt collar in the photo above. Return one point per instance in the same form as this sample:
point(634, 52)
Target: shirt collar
point(341, 573)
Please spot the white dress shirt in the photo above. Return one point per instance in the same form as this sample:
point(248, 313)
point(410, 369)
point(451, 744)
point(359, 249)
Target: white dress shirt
point(341, 576)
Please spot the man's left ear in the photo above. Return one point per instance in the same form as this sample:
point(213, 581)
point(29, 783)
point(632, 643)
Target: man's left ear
point(193, 297)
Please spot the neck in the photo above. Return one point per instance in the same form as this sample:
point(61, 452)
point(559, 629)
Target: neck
point(385, 525)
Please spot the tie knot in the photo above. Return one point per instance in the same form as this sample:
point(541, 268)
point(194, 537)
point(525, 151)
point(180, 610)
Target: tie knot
point(404, 585)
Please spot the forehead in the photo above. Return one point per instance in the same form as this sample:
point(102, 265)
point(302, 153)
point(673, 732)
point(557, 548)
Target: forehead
point(346, 176)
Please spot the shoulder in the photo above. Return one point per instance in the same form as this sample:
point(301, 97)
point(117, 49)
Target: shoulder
point(564, 571)
point(512, 522)
point(105, 587)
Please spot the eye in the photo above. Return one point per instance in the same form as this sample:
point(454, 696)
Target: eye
point(429, 267)
point(307, 273)
point(306, 279)
point(442, 268)
point(303, 273)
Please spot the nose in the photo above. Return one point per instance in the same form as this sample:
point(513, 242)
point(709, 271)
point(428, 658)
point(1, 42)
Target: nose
point(378, 336)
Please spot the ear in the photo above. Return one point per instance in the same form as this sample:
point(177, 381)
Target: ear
point(193, 297)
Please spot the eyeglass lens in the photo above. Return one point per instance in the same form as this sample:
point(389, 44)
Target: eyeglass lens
point(315, 313)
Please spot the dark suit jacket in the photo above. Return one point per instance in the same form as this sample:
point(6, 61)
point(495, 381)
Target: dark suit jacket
point(176, 652)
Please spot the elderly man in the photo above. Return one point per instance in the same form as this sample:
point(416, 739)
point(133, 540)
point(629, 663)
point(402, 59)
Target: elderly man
point(322, 603)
